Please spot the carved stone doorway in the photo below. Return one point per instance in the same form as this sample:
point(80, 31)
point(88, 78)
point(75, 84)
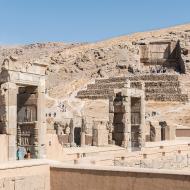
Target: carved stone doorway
point(118, 120)
point(135, 123)
point(27, 131)
point(163, 126)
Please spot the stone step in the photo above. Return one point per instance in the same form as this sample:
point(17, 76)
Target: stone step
point(162, 84)
point(96, 92)
point(149, 96)
point(159, 84)
point(134, 85)
point(106, 85)
point(110, 80)
point(153, 87)
point(156, 77)
point(168, 90)
point(158, 87)
point(166, 97)
point(93, 97)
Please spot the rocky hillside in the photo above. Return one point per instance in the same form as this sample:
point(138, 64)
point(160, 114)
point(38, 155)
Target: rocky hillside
point(71, 66)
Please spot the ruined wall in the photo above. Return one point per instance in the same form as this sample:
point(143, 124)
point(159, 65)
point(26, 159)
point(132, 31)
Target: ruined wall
point(160, 56)
point(54, 150)
point(160, 87)
point(117, 178)
point(95, 110)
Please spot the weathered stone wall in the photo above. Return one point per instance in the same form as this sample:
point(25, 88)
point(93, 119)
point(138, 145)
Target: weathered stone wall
point(160, 55)
point(148, 77)
point(54, 149)
point(161, 87)
point(22, 175)
point(107, 178)
point(96, 110)
point(3, 100)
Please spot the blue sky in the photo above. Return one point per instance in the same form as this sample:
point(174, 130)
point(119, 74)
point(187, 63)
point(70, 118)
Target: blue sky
point(29, 21)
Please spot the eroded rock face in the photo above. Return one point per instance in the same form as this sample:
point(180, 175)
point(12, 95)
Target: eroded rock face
point(75, 64)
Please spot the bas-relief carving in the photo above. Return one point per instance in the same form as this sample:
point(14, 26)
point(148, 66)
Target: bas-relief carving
point(27, 114)
point(27, 135)
point(161, 57)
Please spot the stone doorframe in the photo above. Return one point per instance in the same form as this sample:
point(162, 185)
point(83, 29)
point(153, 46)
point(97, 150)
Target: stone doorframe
point(12, 76)
point(127, 93)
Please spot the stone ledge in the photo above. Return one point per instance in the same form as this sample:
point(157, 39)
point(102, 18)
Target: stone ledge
point(22, 163)
point(118, 169)
point(149, 77)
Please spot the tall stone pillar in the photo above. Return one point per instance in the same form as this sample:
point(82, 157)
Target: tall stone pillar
point(127, 117)
point(10, 91)
point(82, 135)
point(111, 118)
point(82, 139)
point(36, 135)
point(142, 124)
point(41, 119)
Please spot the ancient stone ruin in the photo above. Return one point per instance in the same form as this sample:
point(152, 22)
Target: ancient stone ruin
point(118, 106)
point(158, 87)
point(22, 108)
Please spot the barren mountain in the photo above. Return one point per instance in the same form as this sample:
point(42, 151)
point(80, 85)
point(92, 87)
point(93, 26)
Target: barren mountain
point(72, 65)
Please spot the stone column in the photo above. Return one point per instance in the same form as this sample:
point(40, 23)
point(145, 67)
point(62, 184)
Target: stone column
point(10, 91)
point(72, 133)
point(41, 119)
point(111, 118)
point(127, 116)
point(82, 134)
point(142, 124)
point(82, 139)
point(3, 124)
point(36, 135)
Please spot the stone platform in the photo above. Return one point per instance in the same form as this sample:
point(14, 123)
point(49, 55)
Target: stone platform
point(158, 87)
